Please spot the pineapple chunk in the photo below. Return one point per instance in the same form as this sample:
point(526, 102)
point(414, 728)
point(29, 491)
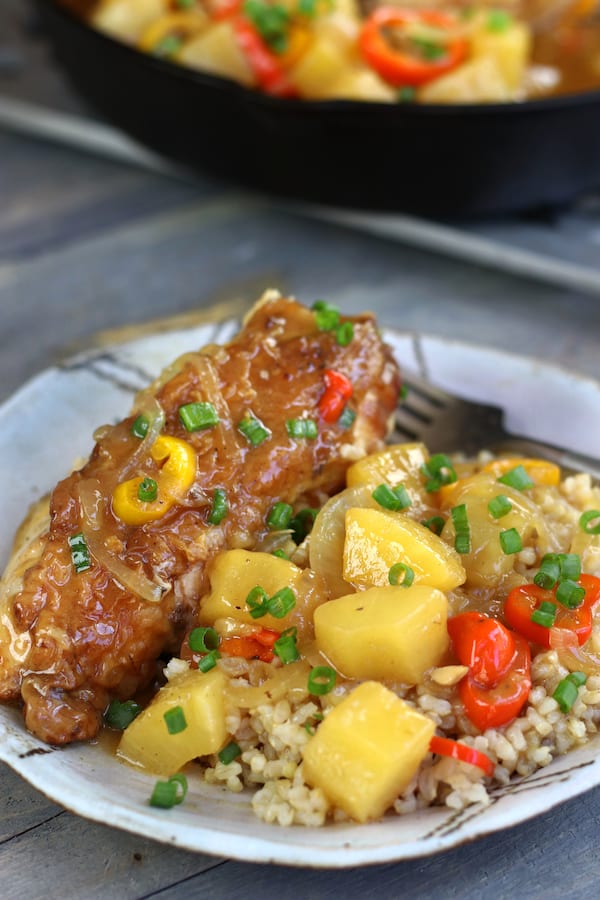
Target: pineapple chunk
point(478, 81)
point(361, 84)
point(367, 750)
point(396, 464)
point(391, 633)
point(217, 51)
point(233, 574)
point(377, 539)
point(509, 49)
point(319, 67)
point(147, 742)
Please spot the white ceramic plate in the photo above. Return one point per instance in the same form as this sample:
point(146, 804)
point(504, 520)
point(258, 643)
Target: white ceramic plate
point(49, 423)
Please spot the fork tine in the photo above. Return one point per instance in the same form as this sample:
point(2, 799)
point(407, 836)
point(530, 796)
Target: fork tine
point(420, 391)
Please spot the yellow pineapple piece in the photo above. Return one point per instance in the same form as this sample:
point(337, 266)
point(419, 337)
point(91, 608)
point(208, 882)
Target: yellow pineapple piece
point(377, 539)
point(393, 633)
point(147, 742)
point(366, 751)
point(510, 49)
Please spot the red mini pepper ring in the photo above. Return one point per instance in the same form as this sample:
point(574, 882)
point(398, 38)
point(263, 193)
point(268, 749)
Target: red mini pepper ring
point(338, 389)
point(400, 66)
point(265, 65)
point(455, 750)
point(247, 648)
point(525, 599)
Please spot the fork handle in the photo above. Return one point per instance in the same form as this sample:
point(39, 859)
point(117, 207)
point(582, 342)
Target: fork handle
point(566, 459)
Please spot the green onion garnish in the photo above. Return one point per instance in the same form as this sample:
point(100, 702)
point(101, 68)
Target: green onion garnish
point(168, 46)
point(219, 508)
point(281, 554)
point(175, 720)
point(321, 679)
point(253, 430)
point(257, 602)
point(80, 554)
point(140, 426)
point(280, 604)
point(147, 490)
point(549, 572)
point(435, 524)
point(510, 541)
point(302, 428)
point(406, 94)
point(567, 690)
point(545, 614)
point(517, 478)
point(121, 714)
point(401, 574)
point(229, 753)
point(438, 471)
point(570, 566)
point(209, 661)
point(570, 594)
point(185, 4)
point(498, 20)
point(344, 334)
point(285, 646)
point(499, 506)
point(346, 420)
point(167, 794)
point(198, 416)
point(310, 726)
point(202, 640)
point(394, 498)
point(327, 316)
point(279, 516)
point(462, 531)
point(302, 523)
point(271, 20)
point(586, 520)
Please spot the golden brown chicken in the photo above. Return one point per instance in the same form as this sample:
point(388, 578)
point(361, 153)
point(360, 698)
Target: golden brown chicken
point(115, 582)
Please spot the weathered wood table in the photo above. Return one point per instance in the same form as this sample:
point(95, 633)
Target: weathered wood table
point(87, 246)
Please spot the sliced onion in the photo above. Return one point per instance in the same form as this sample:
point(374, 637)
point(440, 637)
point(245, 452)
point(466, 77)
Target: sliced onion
point(571, 655)
point(289, 681)
point(155, 414)
point(91, 500)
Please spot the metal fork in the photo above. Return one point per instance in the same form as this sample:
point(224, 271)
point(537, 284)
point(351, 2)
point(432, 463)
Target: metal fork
point(444, 422)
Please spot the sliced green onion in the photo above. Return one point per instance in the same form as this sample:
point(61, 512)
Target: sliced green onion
point(140, 426)
point(253, 430)
point(435, 524)
point(570, 594)
point(175, 720)
point(549, 572)
point(321, 680)
point(168, 46)
point(498, 20)
point(545, 614)
point(438, 471)
point(586, 520)
point(209, 661)
point(185, 4)
point(80, 553)
point(121, 714)
point(310, 725)
point(202, 640)
point(279, 516)
point(147, 490)
point(271, 20)
point(229, 753)
point(257, 602)
point(198, 416)
point(167, 794)
point(499, 506)
point(327, 316)
point(401, 574)
point(280, 604)
point(394, 498)
point(346, 420)
point(302, 523)
point(280, 554)
point(285, 646)
point(567, 690)
point(219, 508)
point(344, 334)
point(302, 428)
point(570, 566)
point(406, 94)
point(403, 392)
point(462, 530)
point(510, 541)
point(517, 478)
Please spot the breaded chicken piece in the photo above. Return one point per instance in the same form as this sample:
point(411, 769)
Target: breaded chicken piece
point(70, 640)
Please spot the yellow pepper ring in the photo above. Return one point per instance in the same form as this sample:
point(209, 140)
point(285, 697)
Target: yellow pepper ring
point(175, 478)
point(541, 471)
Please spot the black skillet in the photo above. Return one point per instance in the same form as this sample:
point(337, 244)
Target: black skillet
point(429, 160)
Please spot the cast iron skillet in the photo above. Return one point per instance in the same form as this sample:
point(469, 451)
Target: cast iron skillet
point(429, 160)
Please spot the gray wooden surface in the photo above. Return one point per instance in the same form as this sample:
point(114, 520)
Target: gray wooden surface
point(87, 245)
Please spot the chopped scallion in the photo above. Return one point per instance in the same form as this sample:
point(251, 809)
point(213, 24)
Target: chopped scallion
point(203, 640)
point(321, 680)
point(280, 604)
point(462, 530)
point(167, 794)
point(401, 574)
point(198, 416)
point(219, 508)
point(438, 471)
point(302, 523)
point(498, 20)
point(229, 753)
point(344, 334)
point(545, 614)
point(279, 516)
point(346, 420)
point(253, 430)
point(121, 714)
point(257, 602)
point(80, 554)
point(175, 720)
point(147, 490)
point(517, 478)
point(570, 594)
point(327, 316)
point(209, 661)
point(393, 498)
point(567, 690)
point(549, 572)
point(285, 646)
point(499, 506)
point(510, 541)
point(140, 426)
point(302, 428)
point(587, 519)
point(570, 566)
point(281, 554)
point(168, 46)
